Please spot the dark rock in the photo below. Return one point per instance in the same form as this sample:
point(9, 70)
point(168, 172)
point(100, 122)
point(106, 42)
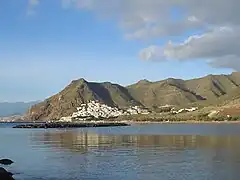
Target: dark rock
point(5, 175)
point(6, 161)
point(10, 174)
point(70, 125)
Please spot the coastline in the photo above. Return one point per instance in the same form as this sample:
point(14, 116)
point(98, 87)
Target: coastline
point(180, 122)
point(128, 122)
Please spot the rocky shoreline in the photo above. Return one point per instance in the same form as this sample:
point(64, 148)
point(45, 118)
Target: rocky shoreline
point(70, 125)
point(4, 174)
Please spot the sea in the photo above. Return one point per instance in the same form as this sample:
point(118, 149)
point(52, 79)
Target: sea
point(137, 152)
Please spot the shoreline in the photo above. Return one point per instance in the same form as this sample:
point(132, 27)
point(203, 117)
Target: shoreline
point(181, 122)
point(131, 122)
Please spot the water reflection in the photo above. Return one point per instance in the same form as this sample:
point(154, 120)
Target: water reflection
point(82, 141)
point(124, 153)
point(148, 156)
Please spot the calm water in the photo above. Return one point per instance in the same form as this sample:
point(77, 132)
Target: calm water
point(144, 152)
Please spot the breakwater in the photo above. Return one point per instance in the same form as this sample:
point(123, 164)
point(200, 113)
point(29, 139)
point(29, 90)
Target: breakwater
point(70, 125)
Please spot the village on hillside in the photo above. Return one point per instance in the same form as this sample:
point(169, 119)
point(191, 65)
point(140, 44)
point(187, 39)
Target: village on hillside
point(96, 110)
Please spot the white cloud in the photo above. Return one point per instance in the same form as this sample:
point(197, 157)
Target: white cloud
point(219, 46)
point(167, 29)
point(155, 15)
point(152, 53)
point(217, 20)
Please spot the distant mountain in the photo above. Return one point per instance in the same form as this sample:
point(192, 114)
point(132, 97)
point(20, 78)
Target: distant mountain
point(17, 108)
point(209, 90)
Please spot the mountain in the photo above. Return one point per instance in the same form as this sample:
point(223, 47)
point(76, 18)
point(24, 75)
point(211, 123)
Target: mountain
point(205, 91)
point(77, 92)
point(170, 91)
point(211, 89)
point(16, 108)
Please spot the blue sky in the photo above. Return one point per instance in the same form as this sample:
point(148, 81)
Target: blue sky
point(41, 53)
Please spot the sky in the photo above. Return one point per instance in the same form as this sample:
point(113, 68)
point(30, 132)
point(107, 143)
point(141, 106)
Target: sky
point(45, 44)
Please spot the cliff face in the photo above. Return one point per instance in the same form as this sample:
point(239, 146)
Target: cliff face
point(212, 89)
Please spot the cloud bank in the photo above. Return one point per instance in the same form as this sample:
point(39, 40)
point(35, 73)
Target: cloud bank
point(213, 27)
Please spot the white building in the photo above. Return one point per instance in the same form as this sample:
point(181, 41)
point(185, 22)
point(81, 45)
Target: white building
point(97, 110)
point(185, 110)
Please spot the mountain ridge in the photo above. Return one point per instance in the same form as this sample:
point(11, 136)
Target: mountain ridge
point(207, 90)
point(78, 92)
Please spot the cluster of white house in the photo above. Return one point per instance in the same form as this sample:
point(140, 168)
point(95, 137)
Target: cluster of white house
point(171, 108)
point(10, 118)
point(97, 110)
point(184, 110)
